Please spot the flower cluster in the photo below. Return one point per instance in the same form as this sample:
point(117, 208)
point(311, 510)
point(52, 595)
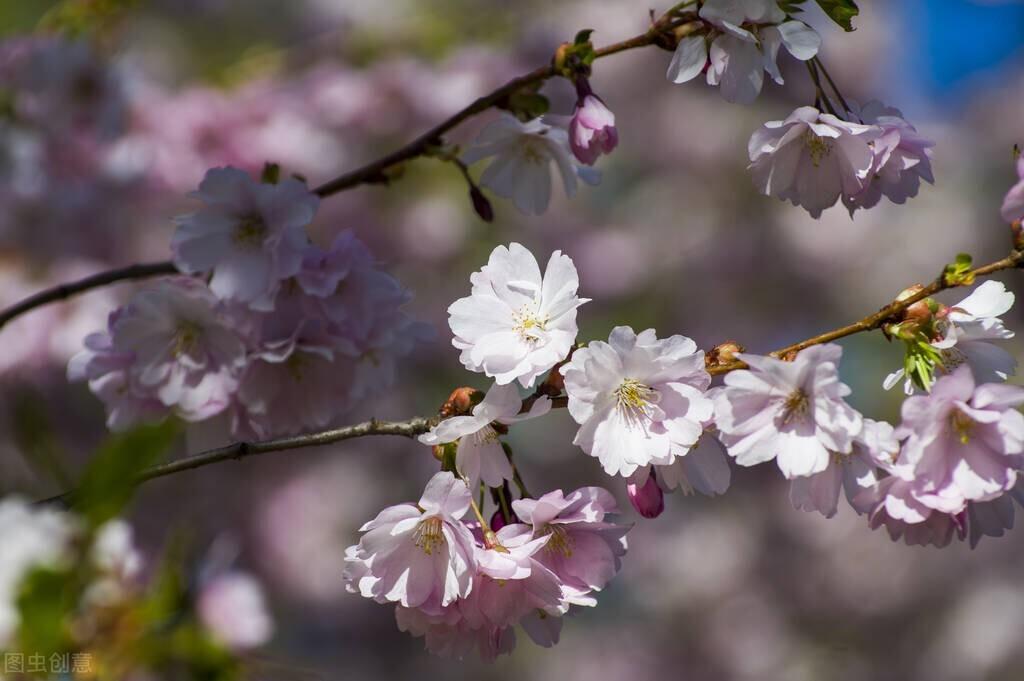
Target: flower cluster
point(813, 159)
point(286, 336)
point(735, 43)
point(461, 587)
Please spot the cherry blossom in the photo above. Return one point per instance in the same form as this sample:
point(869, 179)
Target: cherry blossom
point(517, 324)
point(479, 455)
point(966, 331)
point(170, 344)
point(646, 497)
point(249, 234)
point(419, 555)
point(811, 158)
point(963, 441)
point(639, 400)
point(894, 505)
point(233, 608)
point(704, 469)
point(742, 42)
point(585, 549)
point(592, 129)
point(902, 158)
point(875, 447)
point(522, 154)
point(1013, 204)
point(793, 412)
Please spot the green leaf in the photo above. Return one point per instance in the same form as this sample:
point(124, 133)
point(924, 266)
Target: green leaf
point(44, 600)
point(528, 105)
point(840, 11)
point(791, 6)
point(583, 36)
point(958, 272)
point(110, 478)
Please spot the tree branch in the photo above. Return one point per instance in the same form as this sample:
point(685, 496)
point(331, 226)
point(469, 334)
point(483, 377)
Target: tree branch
point(242, 450)
point(65, 291)
point(884, 315)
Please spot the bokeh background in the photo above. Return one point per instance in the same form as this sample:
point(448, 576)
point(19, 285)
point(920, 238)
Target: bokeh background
point(732, 588)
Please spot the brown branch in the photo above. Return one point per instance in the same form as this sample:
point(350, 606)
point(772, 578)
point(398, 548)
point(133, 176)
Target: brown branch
point(65, 291)
point(242, 450)
point(887, 314)
point(376, 172)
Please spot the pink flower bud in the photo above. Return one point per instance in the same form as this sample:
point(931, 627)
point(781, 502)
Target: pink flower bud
point(592, 129)
point(498, 520)
point(647, 499)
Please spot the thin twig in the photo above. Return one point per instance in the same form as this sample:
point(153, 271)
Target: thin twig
point(65, 291)
point(241, 450)
point(884, 315)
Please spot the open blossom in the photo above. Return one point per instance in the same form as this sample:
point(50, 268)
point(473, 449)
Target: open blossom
point(1013, 203)
point(793, 412)
point(967, 330)
point(517, 324)
point(894, 505)
point(419, 555)
point(172, 345)
point(479, 455)
point(249, 234)
point(639, 400)
point(811, 158)
point(902, 158)
point(592, 130)
point(963, 441)
point(704, 469)
point(522, 154)
point(585, 549)
point(745, 38)
point(233, 608)
point(876, 446)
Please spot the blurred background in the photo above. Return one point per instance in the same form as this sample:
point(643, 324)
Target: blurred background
point(732, 588)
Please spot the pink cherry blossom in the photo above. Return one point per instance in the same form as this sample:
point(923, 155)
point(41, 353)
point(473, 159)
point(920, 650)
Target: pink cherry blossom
point(639, 400)
point(874, 447)
point(585, 549)
point(793, 412)
point(170, 345)
point(902, 158)
point(1013, 203)
point(522, 154)
point(517, 324)
point(250, 235)
point(963, 441)
point(233, 608)
point(592, 129)
point(419, 555)
point(811, 158)
point(744, 38)
point(479, 455)
point(894, 505)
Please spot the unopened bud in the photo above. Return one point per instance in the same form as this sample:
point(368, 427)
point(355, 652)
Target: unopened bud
point(460, 402)
point(498, 520)
point(723, 353)
point(1017, 230)
point(647, 499)
point(481, 204)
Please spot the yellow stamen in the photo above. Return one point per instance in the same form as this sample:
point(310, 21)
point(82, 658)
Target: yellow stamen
point(817, 147)
point(796, 406)
point(428, 535)
point(560, 541)
point(963, 425)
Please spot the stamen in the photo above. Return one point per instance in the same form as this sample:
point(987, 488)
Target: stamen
point(817, 147)
point(527, 323)
point(428, 535)
point(560, 541)
point(633, 400)
point(962, 425)
point(796, 406)
point(250, 231)
point(484, 436)
point(186, 339)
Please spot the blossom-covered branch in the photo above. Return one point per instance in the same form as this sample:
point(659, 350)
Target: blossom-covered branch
point(888, 313)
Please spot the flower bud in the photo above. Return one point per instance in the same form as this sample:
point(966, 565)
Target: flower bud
point(647, 499)
point(723, 353)
point(592, 129)
point(1017, 230)
point(460, 402)
point(498, 520)
point(481, 204)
